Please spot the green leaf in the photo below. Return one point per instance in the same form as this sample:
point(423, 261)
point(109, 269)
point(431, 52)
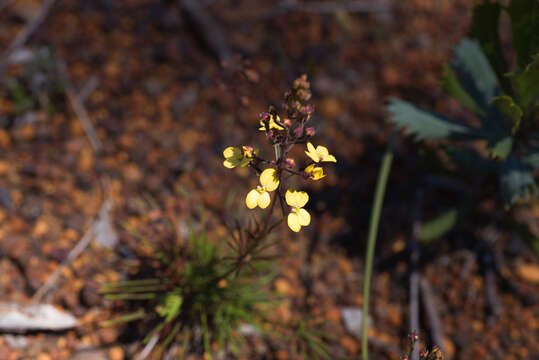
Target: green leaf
point(426, 125)
point(524, 16)
point(527, 85)
point(500, 147)
point(485, 25)
point(516, 181)
point(439, 226)
point(475, 73)
point(512, 111)
point(170, 308)
point(532, 160)
point(451, 86)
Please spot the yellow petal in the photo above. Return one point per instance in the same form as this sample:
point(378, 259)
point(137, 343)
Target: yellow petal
point(296, 198)
point(322, 151)
point(293, 222)
point(289, 196)
point(269, 180)
point(252, 199)
point(304, 217)
point(312, 152)
point(316, 172)
point(301, 198)
point(264, 200)
point(329, 158)
point(229, 164)
point(231, 152)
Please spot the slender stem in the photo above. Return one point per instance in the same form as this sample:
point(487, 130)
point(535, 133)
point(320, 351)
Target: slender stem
point(371, 240)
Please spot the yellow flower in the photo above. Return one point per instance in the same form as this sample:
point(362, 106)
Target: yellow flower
point(298, 216)
point(235, 156)
point(321, 153)
point(272, 124)
point(316, 172)
point(260, 196)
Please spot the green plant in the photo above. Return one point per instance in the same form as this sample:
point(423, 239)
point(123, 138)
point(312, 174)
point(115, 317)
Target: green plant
point(502, 151)
point(201, 293)
point(198, 289)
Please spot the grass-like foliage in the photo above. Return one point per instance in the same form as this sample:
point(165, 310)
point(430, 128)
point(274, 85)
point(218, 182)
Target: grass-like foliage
point(505, 103)
point(198, 290)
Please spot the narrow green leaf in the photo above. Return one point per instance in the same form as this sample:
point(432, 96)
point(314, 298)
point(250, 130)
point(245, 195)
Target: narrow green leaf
point(485, 25)
point(516, 181)
point(451, 86)
point(124, 318)
point(439, 226)
point(425, 125)
point(524, 16)
point(510, 109)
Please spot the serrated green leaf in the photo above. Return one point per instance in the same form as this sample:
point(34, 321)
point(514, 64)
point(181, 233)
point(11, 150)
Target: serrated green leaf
point(425, 125)
point(475, 73)
point(439, 226)
point(516, 181)
point(451, 86)
point(524, 16)
point(510, 109)
point(485, 25)
point(527, 85)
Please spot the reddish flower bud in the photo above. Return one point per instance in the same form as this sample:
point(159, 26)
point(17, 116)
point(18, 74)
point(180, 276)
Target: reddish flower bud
point(287, 122)
point(290, 163)
point(298, 131)
point(310, 131)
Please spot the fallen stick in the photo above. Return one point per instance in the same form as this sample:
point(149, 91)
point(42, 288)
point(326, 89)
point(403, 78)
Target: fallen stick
point(437, 334)
point(209, 30)
point(23, 36)
point(415, 277)
point(321, 7)
point(78, 108)
point(73, 254)
point(89, 87)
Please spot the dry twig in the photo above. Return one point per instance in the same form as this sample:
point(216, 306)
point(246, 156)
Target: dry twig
point(23, 36)
point(79, 109)
point(209, 30)
point(73, 254)
point(415, 276)
point(436, 330)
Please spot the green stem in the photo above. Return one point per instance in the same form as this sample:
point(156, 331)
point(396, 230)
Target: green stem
point(371, 240)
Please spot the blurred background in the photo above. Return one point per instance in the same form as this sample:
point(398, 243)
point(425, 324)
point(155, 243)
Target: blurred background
point(120, 110)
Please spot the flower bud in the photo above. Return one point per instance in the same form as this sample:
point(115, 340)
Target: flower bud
point(287, 122)
point(298, 131)
point(310, 131)
point(248, 151)
point(290, 163)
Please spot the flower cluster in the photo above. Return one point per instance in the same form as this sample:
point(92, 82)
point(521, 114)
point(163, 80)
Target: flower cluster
point(283, 133)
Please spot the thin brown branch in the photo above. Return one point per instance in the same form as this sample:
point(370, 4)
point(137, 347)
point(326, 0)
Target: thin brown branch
point(79, 108)
point(208, 29)
point(415, 276)
point(73, 254)
point(23, 36)
point(436, 330)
